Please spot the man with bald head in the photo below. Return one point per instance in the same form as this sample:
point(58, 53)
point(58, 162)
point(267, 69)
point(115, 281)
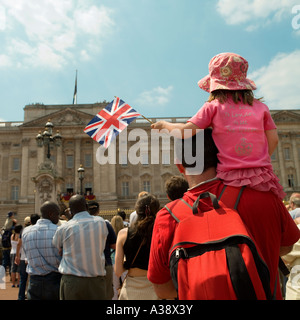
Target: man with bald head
point(295, 205)
point(82, 241)
point(43, 258)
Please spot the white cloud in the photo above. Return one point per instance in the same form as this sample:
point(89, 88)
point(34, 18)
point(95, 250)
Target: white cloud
point(278, 82)
point(2, 18)
point(5, 61)
point(156, 97)
point(255, 13)
point(47, 32)
point(93, 20)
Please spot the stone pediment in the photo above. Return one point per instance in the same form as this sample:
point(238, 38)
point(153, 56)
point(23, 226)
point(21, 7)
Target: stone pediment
point(62, 118)
point(286, 116)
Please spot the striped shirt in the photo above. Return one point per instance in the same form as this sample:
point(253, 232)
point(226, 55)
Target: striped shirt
point(41, 254)
point(82, 241)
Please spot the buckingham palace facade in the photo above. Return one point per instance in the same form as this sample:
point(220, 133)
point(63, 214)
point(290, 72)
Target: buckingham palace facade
point(39, 165)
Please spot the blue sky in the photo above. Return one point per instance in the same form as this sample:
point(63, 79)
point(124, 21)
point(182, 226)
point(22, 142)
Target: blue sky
point(150, 53)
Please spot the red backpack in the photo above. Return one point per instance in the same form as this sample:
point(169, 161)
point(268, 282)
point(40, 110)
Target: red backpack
point(213, 256)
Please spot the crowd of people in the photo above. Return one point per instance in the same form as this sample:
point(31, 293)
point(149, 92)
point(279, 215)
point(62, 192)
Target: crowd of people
point(88, 257)
point(72, 255)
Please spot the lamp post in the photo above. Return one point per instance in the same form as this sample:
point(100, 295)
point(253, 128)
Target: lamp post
point(80, 171)
point(47, 139)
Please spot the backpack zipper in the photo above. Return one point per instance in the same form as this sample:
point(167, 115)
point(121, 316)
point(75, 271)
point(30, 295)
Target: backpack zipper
point(177, 253)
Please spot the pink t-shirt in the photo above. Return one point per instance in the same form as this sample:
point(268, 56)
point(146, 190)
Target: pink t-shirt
point(238, 132)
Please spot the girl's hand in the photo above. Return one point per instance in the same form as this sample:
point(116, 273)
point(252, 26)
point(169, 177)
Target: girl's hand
point(159, 125)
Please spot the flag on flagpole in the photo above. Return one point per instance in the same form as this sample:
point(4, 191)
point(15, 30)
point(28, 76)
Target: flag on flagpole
point(75, 91)
point(110, 121)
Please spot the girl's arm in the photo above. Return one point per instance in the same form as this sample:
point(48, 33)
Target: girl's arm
point(119, 257)
point(272, 138)
point(177, 130)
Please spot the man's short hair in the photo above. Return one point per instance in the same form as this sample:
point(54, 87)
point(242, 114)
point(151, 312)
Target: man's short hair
point(296, 202)
point(210, 150)
point(93, 207)
point(175, 187)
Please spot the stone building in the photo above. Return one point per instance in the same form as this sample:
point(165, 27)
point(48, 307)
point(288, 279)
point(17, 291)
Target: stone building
point(31, 174)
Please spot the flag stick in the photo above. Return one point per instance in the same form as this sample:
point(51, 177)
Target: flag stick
point(143, 116)
point(147, 119)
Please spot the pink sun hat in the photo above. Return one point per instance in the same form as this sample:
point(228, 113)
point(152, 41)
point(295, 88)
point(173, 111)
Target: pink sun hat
point(227, 71)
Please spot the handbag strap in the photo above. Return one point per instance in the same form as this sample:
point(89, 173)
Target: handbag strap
point(136, 253)
point(122, 282)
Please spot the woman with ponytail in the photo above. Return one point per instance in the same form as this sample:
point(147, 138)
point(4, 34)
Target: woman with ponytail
point(133, 249)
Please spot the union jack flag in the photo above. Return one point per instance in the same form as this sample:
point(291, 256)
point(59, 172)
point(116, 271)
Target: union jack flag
point(110, 121)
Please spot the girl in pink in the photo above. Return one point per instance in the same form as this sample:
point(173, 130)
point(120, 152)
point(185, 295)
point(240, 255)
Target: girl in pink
point(243, 129)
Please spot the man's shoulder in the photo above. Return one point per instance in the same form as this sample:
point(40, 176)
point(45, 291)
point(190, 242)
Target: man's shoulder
point(295, 213)
point(29, 230)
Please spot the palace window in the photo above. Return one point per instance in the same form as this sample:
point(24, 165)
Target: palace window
point(144, 159)
point(147, 186)
point(15, 193)
point(286, 152)
point(70, 161)
point(165, 158)
point(88, 160)
point(125, 189)
point(291, 181)
point(69, 188)
point(16, 164)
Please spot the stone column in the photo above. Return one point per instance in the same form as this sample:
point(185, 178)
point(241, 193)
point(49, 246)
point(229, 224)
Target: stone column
point(282, 177)
point(77, 164)
point(96, 173)
point(296, 158)
point(59, 161)
point(4, 192)
point(40, 155)
point(5, 160)
point(24, 170)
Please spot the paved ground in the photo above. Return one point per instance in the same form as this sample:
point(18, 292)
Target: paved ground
point(9, 293)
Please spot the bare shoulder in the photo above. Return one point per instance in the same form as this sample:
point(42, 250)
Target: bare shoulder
point(122, 235)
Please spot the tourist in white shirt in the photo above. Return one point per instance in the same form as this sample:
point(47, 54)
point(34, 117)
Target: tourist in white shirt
point(43, 258)
point(82, 241)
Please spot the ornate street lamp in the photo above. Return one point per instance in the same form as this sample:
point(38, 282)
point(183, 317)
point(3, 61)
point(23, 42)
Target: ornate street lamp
point(47, 139)
point(80, 171)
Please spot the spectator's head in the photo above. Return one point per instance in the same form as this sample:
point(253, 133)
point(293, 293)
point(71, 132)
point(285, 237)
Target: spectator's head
point(50, 210)
point(122, 214)
point(295, 201)
point(34, 218)
point(175, 187)
point(117, 223)
point(77, 204)
point(194, 148)
point(18, 228)
point(93, 208)
point(27, 221)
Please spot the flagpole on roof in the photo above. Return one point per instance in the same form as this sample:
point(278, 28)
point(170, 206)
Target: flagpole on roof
point(75, 91)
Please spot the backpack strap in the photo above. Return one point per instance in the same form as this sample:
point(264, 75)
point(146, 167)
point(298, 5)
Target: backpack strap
point(231, 196)
point(179, 209)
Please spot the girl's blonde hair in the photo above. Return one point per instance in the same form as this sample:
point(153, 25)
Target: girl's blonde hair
point(117, 224)
point(244, 96)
